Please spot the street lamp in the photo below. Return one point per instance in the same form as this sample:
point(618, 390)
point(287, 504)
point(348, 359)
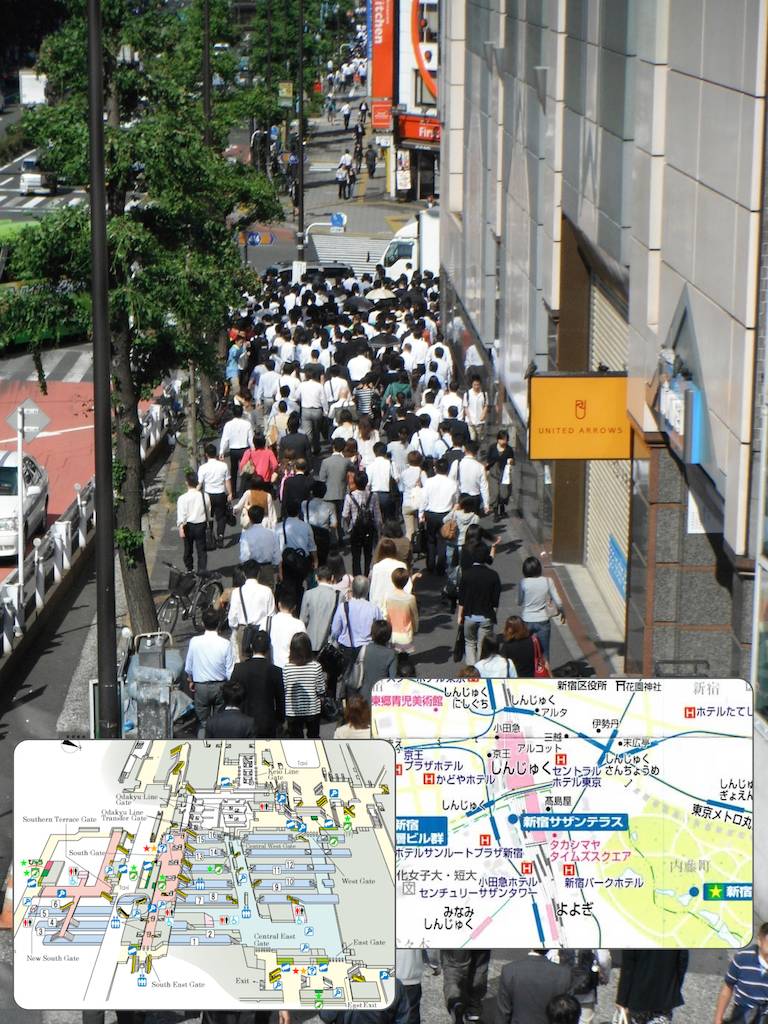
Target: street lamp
point(106, 620)
point(300, 249)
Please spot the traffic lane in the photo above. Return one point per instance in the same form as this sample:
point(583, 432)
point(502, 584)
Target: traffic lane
point(65, 449)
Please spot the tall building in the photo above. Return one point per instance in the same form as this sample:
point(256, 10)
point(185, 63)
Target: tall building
point(603, 189)
point(404, 51)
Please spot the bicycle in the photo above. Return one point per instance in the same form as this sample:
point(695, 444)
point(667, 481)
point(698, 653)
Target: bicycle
point(190, 593)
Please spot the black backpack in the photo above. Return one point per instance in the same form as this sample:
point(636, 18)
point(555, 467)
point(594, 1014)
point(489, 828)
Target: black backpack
point(365, 524)
point(584, 971)
point(296, 561)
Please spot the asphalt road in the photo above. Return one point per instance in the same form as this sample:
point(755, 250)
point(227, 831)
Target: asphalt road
point(9, 116)
point(15, 206)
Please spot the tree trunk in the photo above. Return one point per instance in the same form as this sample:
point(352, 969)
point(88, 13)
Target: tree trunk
point(207, 406)
point(191, 417)
point(129, 490)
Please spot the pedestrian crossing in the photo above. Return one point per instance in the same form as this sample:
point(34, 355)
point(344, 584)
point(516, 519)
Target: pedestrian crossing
point(362, 252)
point(70, 365)
point(12, 202)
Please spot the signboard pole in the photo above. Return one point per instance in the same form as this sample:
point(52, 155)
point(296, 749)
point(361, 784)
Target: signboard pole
point(20, 508)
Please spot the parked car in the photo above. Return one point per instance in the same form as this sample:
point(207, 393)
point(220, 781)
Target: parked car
point(34, 179)
point(34, 483)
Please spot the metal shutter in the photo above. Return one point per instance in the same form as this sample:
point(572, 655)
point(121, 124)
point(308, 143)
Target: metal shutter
point(608, 481)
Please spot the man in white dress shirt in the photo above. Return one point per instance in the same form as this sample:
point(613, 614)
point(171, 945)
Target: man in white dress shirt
point(214, 479)
point(209, 664)
point(471, 478)
point(236, 436)
point(314, 407)
point(192, 513)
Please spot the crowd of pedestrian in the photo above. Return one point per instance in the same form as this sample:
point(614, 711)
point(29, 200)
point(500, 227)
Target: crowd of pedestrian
point(354, 450)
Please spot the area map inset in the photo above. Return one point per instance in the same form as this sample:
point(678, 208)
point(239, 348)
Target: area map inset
point(580, 812)
point(204, 874)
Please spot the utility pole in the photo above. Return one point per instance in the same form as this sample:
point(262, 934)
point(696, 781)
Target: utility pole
point(300, 249)
point(109, 725)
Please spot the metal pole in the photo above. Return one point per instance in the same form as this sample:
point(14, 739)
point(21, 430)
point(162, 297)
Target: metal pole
point(20, 509)
point(206, 73)
point(106, 635)
point(300, 228)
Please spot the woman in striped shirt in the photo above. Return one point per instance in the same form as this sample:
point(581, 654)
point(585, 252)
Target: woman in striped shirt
point(304, 682)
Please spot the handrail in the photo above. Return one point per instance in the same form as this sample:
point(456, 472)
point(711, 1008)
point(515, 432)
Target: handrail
point(55, 554)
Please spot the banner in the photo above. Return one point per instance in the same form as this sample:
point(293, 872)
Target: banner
point(382, 44)
point(403, 171)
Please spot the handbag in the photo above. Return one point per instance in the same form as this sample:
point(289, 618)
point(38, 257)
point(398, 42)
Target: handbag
point(210, 534)
point(458, 644)
point(541, 669)
point(330, 656)
point(230, 516)
point(449, 529)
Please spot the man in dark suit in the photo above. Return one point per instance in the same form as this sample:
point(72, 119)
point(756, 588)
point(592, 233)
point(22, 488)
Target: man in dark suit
point(230, 723)
point(526, 986)
point(262, 683)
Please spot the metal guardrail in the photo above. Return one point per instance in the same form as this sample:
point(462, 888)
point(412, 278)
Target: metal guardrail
point(56, 553)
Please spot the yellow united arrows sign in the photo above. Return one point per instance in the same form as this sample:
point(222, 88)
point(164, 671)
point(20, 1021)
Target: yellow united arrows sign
point(573, 416)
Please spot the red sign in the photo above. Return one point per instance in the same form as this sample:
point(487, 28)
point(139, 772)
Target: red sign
point(428, 778)
point(561, 759)
point(690, 712)
point(382, 49)
point(381, 115)
point(485, 839)
point(413, 128)
point(569, 870)
point(398, 769)
point(526, 867)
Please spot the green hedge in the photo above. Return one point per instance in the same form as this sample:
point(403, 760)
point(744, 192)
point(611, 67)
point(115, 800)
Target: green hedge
point(14, 143)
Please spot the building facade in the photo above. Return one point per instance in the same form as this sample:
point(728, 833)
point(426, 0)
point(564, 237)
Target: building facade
point(603, 190)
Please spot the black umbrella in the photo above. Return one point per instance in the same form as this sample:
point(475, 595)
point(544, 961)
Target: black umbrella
point(358, 304)
point(383, 340)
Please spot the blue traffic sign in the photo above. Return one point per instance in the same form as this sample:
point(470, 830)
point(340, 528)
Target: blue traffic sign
point(338, 220)
point(254, 238)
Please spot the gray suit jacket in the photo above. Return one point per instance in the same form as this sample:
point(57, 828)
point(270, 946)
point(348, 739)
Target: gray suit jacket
point(317, 608)
point(333, 473)
point(525, 988)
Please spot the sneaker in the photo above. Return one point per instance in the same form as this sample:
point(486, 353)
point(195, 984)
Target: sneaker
point(457, 1012)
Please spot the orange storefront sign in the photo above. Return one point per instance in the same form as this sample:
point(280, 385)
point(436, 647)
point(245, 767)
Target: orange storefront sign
point(413, 128)
point(382, 49)
point(578, 417)
point(381, 115)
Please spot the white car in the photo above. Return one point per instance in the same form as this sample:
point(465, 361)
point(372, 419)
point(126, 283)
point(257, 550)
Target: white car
point(35, 491)
point(33, 179)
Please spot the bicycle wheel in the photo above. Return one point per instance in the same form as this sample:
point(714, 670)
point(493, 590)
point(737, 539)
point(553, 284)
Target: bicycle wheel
point(168, 614)
point(205, 597)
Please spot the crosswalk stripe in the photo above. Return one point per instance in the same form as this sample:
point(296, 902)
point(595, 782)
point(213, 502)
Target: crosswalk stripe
point(75, 375)
point(33, 202)
point(5, 181)
point(360, 251)
point(50, 360)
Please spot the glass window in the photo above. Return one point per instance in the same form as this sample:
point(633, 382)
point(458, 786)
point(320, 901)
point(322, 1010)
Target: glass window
point(8, 480)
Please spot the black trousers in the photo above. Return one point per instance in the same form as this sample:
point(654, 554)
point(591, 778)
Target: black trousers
point(362, 554)
point(235, 454)
point(322, 543)
point(387, 504)
point(435, 543)
point(298, 723)
point(194, 537)
point(219, 511)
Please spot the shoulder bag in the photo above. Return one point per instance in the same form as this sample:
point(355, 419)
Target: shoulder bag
point(330, 656)
point(541, 669)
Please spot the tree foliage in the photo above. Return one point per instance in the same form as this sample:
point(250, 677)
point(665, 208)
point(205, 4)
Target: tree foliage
point(172, 205)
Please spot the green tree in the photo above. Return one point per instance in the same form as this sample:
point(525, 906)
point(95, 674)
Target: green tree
point(173, 269)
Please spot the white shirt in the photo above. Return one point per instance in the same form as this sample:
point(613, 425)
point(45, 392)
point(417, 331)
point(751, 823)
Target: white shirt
point(283, 629)
point(311, 395)
point(448, 401)
point(359, 367)
point(433, 412)
point(258, 600)
point(424, 441)
point(191, 508)
point(412, 478)
point(267, 386)
point(213, 474)
point(237, 433)
point(419, 347)
point(287, 380)
point(379, 472)
point(470, 478)
point(346, 159)
point(439, 494)
point(209, 658)
point(474, 403)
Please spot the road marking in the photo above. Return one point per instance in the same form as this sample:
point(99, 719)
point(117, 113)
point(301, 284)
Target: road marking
point(33, 202)
point(50, 433)
point(5, 181)
point(49, 361)
point(75, 375)
point(17, 160)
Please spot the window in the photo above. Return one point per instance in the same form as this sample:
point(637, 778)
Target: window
point(399, 250)
point(422, 97)
point(8, 480)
